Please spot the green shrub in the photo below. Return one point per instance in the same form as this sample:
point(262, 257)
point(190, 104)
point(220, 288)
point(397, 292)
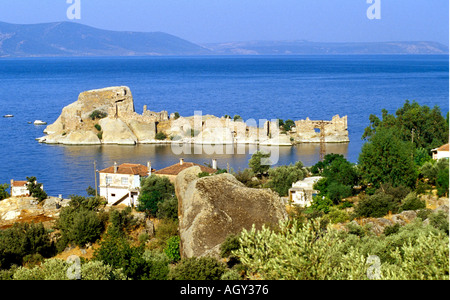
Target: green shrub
point(36, 189)
point(439, 220)
point(260, 162)
point(237, 118)
point(305, 252)
point(118, 252)
point(282, 177)
point(321, 204)
point(376, 206)
point(154, 189)
point(3, 191)
point(203, 174)
point(337, 215)
point(247, 177)
point(97, 114)
point(230, 244)
point(172, 249)
point(166, 229)
point(57, 269)
point(168, 208)
point(80, 223)
point(98, 127)
point(121, 222)
point(204, 268)
point(159, 265)
point(161, 136)
point(412, 202)
point(388, 230)
point(22, 240)
point(442, 182)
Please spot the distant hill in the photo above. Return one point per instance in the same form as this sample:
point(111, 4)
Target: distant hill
point(72, 39)
point(313, 48)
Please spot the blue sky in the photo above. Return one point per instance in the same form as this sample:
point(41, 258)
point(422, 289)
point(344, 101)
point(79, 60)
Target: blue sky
point(205, 21)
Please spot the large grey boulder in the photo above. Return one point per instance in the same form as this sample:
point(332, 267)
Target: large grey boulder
point(213, 207)
point(116, 131)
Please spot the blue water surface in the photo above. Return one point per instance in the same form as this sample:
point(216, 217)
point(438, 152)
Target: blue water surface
point(258, 87)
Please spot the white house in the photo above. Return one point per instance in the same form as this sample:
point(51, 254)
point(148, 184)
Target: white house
point(19, 188)
point(441, 152)
point(120, 184)
point(302, 192)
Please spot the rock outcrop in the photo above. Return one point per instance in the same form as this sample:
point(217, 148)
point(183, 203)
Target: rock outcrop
point(107, 116)
point(213, 207)
point(28, 210)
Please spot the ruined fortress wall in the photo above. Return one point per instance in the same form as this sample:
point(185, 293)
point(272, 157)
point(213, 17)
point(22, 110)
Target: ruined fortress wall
point(118, 103)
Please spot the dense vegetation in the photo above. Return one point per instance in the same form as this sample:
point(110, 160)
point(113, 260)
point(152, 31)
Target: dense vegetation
point(324, 241)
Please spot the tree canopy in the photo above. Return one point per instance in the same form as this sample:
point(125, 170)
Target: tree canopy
point(339, 177)
point(154, 190)
point(386, 158)
point(424, 127)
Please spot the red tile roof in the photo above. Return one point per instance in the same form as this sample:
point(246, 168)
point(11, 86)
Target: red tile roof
point(19, 183)
point(443, 148)
point(177, 168)
point(129, 169)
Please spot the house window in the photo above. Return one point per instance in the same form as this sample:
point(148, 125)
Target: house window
point(109, 179)
point(124, 181)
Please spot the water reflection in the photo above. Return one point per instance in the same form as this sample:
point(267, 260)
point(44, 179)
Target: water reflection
point(78, 161)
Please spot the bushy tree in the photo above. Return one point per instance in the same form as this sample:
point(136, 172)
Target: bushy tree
point(430, 170)
point(154, 189)
point(3, 191)
point(118, 252)
point(168, 208)
point(339, 177)
point(386, 199)
point(248, 178)
point(387, 159)
point(426, 127)
point(412, 202)
point(35, 189)
point(80, 222)
point(22, 240)
point(282, 177)
point(259, 162)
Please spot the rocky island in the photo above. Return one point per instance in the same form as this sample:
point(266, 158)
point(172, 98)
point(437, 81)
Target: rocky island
point(108, 116)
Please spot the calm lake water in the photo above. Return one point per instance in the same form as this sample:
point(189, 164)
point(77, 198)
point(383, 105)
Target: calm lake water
point(286, 87)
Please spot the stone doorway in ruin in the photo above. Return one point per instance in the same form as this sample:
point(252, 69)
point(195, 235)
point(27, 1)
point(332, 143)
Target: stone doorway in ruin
point(319, 126)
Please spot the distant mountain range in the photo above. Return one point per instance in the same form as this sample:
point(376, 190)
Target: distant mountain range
point(314, 48)
point(73, 39)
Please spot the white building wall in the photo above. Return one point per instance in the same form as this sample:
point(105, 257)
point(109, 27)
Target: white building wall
point(119, 185)
point(18, 191)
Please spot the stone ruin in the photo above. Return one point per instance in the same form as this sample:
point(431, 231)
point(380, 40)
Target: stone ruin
point(124, 126)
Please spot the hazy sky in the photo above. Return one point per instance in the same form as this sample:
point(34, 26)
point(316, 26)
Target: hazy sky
point(204, 21)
